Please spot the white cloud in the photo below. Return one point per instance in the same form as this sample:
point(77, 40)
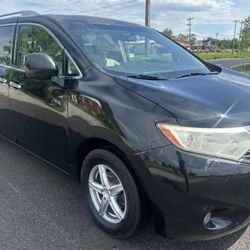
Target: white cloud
point(165, 13)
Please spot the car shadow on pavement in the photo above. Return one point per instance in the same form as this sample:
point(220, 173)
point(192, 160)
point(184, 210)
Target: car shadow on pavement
point(41, 208)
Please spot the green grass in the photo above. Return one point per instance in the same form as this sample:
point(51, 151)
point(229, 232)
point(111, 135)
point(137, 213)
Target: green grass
point(222, 55)
point(247, 72)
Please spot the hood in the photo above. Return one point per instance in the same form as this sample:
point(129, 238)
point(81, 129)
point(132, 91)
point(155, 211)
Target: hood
point(221, 100)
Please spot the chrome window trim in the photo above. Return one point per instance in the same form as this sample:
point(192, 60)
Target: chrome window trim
point(11, 67)
point(57, 41)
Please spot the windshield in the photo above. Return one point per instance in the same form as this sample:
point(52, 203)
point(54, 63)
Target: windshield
point(129, 49)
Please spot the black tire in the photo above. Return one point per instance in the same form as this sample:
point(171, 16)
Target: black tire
point(129, 225)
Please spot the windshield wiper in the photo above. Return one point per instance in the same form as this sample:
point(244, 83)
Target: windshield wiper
point(197, 74)
point(146, 77)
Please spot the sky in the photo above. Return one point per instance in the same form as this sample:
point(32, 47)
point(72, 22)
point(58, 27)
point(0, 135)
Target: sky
point(210, 16)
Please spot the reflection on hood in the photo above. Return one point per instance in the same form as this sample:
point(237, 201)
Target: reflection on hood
point(221, 100)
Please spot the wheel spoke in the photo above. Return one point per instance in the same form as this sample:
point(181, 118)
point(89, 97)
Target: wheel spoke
point(116, 208)
point(103, 176)
point(116, 189)
point(103, 206)
point(96, 187)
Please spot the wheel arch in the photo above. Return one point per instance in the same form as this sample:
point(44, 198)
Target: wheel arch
point(93, 143)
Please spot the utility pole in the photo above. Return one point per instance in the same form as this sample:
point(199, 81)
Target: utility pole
point(216, 41)
point(190, 27)
point(147, 12)
point(235, 28)
point(147, 23)
point(241, 28)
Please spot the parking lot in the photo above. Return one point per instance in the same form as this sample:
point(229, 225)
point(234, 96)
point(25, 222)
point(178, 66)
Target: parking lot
point(41, 208)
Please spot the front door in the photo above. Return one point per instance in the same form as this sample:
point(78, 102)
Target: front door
point(40, 106)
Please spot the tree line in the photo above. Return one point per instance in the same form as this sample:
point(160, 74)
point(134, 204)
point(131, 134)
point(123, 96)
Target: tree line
point(243, 42)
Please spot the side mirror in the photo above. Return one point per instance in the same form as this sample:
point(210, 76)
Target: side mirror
point(40, 66)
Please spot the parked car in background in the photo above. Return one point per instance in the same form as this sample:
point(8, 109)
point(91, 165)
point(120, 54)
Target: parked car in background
point(149, 129)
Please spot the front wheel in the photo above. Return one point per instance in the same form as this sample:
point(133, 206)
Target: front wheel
point(111, 192)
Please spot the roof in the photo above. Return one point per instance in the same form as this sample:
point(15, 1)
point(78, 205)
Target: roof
point(87, 19)
point(92, 20)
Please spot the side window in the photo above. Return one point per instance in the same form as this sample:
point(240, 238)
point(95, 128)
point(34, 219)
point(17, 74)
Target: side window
point(35, 39)
point(6, 43)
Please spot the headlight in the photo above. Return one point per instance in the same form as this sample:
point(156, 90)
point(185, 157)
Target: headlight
point(230, 143)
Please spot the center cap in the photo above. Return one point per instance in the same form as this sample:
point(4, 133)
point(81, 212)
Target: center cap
point(106, 193)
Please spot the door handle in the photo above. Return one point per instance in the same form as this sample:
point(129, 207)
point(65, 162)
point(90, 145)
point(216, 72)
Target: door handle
point(15, 85)
point(3, 80)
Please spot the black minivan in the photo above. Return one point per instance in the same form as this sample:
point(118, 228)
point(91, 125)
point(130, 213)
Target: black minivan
point(149, 129)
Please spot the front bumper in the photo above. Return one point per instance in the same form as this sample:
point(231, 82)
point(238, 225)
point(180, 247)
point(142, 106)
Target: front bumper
point(184, 187)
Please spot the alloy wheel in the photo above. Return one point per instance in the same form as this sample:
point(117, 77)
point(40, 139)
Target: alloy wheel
point(107, 193)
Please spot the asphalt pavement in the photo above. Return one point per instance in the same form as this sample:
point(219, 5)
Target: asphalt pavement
point(41, 208)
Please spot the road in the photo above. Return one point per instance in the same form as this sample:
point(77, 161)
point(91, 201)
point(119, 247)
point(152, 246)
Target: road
point(41, 208)
point(229, 63)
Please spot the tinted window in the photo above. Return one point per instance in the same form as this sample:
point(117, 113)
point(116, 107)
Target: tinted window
point(35, 39)
point(6, 42)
